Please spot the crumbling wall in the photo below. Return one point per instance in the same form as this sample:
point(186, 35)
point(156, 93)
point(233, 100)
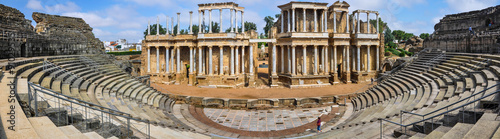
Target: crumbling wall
point(53, 35)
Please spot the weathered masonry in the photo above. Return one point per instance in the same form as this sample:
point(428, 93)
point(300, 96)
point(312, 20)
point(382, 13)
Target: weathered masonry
point(215, 59)
point(318, 45)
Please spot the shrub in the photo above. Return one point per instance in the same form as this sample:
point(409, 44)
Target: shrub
point(387, 53)
point(125, 53)
point(402, 54)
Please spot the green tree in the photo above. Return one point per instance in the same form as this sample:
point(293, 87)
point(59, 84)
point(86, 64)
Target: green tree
point(424, 35)
point(153, 30)
point(249, 26)
point(174, 30)
point(269, 23)
point(382, 24)
point(388, 37)
point(196, 29)
point(215, 27)
point(398, 34)
point(277, 16)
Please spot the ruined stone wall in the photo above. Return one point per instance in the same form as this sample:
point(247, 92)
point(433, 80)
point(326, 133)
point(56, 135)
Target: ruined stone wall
point(53, 35)
point(452, 32)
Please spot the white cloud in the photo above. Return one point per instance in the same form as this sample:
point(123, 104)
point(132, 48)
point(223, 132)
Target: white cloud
point(52, 7)
point(93, 19)
point(35, 5)
point(470, 5)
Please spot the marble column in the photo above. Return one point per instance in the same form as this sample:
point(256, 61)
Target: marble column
point(282, 22)
point(282, 59)
point(210, 66)
point(220, 21)
point(190, 22)
point(157, 59)
point(167, 62)
point(348, 64)
point(210, 21)
point(236, 21)
point(293, 19)
point(368, 59)
point(325, 17)
point(288, 23)
point(347, 22)
point(178, 59)
point(344, 59)
point(293, 61)
point(200, 60)
point(304, 20)
point(242, 23)
point(172, 59)
point(368, 23)
point(242, 59)
point(168, 33)
point(172, 24)
point(236, 59)
point(315, 21)
point(202, 27)
point(358, 55)
point(378, 56)
point(316, 61)
point(274, 59)
point(149, 27)
point(304, 60)
point(250, 64)
point(335, 59)
point(157, 25)
point(334, 22)
point(325, 56)
point(232, 60)
point(289, 60)
point(221, 60)
point(377, 24)
point(359, 25)
point(231, 18)
point(191, 59)
point(149, 59)
point(199, 22)
point(178, 23)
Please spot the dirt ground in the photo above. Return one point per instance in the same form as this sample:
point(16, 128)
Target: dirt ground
point(263, 91)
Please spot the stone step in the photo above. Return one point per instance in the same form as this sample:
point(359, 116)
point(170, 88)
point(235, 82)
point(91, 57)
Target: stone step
point(438, 132)
point(458, 131)
point(93, 135)
point(44, 125)
point(484, 128)
point(72, 132)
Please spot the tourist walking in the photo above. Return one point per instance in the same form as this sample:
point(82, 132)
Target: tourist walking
point(371, 80)
point(319, 124)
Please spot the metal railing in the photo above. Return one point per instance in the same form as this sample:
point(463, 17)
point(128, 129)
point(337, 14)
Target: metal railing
point(447, 107)
point(86, 109)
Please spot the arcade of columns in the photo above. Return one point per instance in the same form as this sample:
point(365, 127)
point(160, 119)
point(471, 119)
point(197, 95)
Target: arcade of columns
point(317, 46)
point(230, 64)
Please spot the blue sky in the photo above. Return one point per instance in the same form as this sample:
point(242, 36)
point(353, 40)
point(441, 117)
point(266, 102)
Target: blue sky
point(127, 19)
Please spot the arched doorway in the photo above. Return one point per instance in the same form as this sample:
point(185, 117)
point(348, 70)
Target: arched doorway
point(23, 50)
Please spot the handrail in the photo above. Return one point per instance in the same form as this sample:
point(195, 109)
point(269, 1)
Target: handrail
point(445, 112)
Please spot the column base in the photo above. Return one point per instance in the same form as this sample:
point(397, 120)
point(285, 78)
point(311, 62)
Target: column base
point(334, 78)
point(273, 81)
point(191, 80)
point(346, 77)
point(178, 78)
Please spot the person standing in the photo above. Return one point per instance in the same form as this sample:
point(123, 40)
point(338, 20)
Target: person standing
point(319, 124)
point(371, 80)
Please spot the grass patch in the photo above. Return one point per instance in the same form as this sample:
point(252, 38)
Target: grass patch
point(125, 53)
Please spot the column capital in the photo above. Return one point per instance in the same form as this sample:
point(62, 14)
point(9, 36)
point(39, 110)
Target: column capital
point(232, 46)
point(178, 13)
point(316, 46)
point(209, 46)
point(358, 46)
point(293, 46)
point(167, 46)
point(190, 12)
point(157, 47)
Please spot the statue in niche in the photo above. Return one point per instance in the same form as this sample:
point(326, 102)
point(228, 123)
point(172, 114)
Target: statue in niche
point(299, 70)
point(320, 68)
point(226, 69)
point(216, 69)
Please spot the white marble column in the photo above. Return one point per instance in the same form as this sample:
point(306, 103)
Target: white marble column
point(167, 62)
point(348, 64)
point(377, 25)
point(191, 59)
point(221, 60)
point(149, 59)
point(293, 19)
point(335, 59)
point(157, 59)
point(282, 22)
point(325, 56)
point(210, 21)
point(378, 56)
point(289, 61)
point(274, 59)
point(282, 59)
point(368, 23)
point(359, 25)
point(157, 25)
point(178, 23)
point(344, 59)
point(167, 27)
point(334, 22)
point(315, 21)
point(210, 66)
point(288, 23)
point(358, 61)
point(149, 27)
point(236, 21)
point(304, 20)
point(220, 21)
point(325, 17)
point(232, 60)
point(242, 23)
point(237, 60)
point(231, 12)
point(250, 64)
point(178, 59)
point(316, 61)
point(200, 60)
point(202, 27)
point(190, 22)
point(172, 24)
point(293, 61)
point(172, 59)
point(347, 22)
point(368, 58)
point(242, 59)
point(199, 22)
point(304, 60)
